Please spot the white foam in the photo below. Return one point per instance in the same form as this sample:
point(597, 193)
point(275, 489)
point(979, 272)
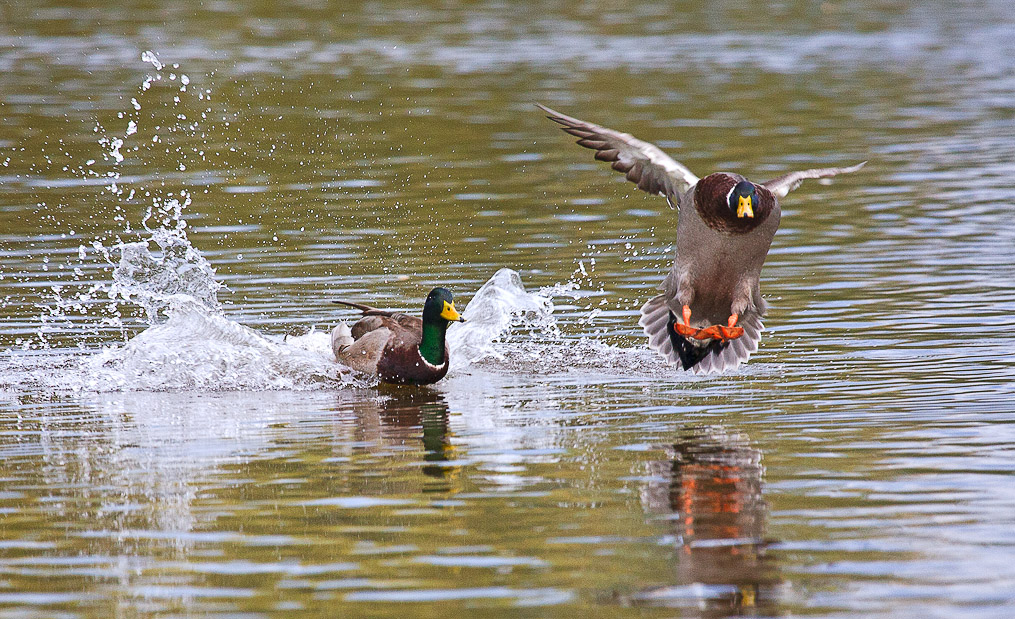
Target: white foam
point(200, 349)
point(500, 307)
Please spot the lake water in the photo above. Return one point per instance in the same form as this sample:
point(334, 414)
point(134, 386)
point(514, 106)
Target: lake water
point(177, 440)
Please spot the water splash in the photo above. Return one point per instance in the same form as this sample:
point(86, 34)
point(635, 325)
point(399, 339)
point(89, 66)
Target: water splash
point(190, 343)
point(200, 349)
point(155, 282)
point(500, 308)
point(510, 330)
point(86, 305)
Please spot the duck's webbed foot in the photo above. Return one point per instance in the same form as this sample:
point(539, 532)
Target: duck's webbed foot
point(716, 332)
point(722, 333)
point(685, 329)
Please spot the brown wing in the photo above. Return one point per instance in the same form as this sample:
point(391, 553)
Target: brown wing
point(643, 163)
point(394, 322)
point(788, 182)
point(374, 318)
point(401, 325)
point(412, 323)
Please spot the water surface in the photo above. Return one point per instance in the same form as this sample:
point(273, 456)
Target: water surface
point(860, 465)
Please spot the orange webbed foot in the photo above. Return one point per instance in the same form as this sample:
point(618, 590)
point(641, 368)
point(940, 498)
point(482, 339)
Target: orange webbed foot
point(719, 332)
point(709, 333)
point(731, 331)
point(685, 329)
point(731, 334)
point(716, 332)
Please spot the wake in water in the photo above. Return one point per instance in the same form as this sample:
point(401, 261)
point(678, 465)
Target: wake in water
point(192, 345)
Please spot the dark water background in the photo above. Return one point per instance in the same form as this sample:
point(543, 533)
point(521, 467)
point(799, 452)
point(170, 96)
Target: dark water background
point(860, 465)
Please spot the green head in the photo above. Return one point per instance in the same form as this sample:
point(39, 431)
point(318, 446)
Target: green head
point(743, 199)
point(438, 312)
point(440, 307)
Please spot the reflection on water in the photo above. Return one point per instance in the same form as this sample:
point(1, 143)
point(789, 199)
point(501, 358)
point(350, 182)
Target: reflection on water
point(402, 416)
point(710, 490)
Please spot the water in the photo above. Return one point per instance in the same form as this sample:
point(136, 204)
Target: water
point(177, 440)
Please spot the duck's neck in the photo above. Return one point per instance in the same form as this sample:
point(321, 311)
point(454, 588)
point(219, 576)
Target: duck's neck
point(431, 347)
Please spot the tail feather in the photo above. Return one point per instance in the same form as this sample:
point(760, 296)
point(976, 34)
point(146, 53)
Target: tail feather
point(655, 321)
point(341, 337)
point(359, 306)
point(699, 357)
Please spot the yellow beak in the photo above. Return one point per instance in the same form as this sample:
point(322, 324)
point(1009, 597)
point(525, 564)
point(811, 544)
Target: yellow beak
point(450, 313)
point(744, 207)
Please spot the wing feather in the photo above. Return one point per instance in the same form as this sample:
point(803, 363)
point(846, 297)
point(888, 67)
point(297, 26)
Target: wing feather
point(788, 182)
point(644, 164)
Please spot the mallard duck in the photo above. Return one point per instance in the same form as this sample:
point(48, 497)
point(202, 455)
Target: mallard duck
point(708, 317)
point(396, 347)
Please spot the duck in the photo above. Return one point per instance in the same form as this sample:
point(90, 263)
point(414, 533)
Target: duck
point(398, 348)
point(708, 317)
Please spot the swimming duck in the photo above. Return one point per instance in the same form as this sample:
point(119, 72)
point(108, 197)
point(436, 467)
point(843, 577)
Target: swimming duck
point(396, 347)
point(709, 315)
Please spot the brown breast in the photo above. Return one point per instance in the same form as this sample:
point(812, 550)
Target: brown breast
point(403, 365)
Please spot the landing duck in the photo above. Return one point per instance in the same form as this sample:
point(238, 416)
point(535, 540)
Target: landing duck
point(708, 317)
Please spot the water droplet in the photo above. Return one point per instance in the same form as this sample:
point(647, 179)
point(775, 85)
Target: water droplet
point(149, 57)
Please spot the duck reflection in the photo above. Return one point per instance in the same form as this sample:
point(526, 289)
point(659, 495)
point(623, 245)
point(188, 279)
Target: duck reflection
point(710, 488)
point(400, 417)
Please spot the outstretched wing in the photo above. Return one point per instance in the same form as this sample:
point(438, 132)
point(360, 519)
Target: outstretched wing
point(645, 165)
point(788, 182)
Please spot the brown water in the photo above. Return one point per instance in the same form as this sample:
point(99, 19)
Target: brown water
point(861, 464)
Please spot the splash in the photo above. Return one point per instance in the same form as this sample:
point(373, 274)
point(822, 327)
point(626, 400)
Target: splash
point(510, 330)
point(155, 282)
point(183, 340)
point(499, 309)
point(85, 305)
point(191, 344)
point(202, 350)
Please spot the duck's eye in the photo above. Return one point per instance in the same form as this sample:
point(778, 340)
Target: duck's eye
point(450, 313)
